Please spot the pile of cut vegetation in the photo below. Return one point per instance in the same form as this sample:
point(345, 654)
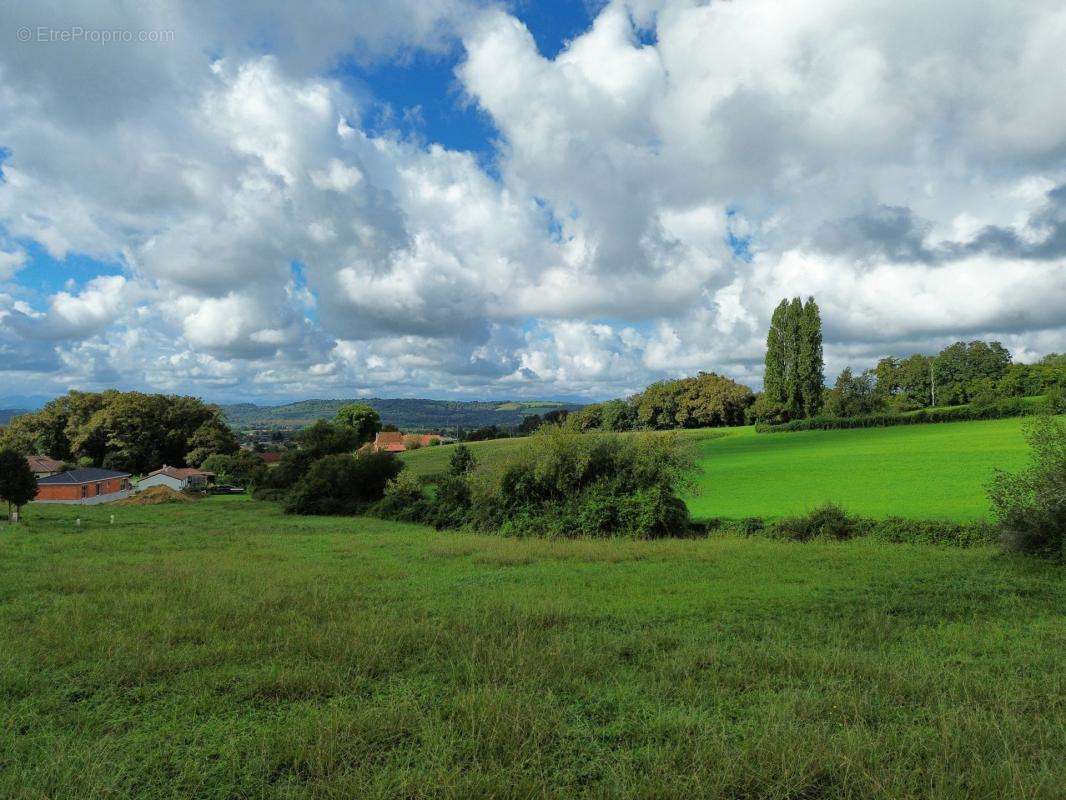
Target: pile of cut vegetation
point(155, 496)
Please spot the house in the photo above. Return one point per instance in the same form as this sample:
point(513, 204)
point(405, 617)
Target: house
point(397, 442)
point(179, 479)
point(43, 466)
point(270, 457)
point(389, 442)
point(83, 486)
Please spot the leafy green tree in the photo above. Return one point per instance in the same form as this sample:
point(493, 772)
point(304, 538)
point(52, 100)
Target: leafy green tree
point(461, 461)
point(530, 423)
point(617, 415)
point(776, 357)
point(125, 430)
point(913, 377)
point(810, 367)
point(853, 395)
point(1030, 506)
point(887, 377)
point(242, 468)
point(342, 484)
point(959, 370)
point(18, 484)
point(360, 417)
point(214, 437)
point(794, 378)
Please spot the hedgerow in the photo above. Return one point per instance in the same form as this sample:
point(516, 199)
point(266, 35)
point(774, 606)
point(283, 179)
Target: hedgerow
point(1001, 409)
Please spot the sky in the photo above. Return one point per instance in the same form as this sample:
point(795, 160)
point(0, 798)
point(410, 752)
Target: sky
point(468, 199)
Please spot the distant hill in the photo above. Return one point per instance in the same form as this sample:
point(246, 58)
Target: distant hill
point(406, 414)
point(7, 414)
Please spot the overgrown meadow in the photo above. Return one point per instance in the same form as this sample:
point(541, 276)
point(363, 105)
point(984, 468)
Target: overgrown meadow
point(220, 649)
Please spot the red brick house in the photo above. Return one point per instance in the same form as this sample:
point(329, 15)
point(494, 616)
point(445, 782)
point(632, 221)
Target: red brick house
point(397, 442)
point(83, 486)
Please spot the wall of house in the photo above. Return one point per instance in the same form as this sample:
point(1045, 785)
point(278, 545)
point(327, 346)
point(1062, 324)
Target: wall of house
point(160, 480)
point(72, 492)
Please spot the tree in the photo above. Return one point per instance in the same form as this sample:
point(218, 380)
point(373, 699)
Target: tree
point(853, 395)
point(776, 357)
point(810, 368)
point(214, 437)
point(887, 377)
point(461, 462)
point(342, 484)
point(1030, 506)
point(243, 468)
point(963, 369)
point(362, 418)
point(794, 378)
point(124, 430)
point(18, 484)
point(530, 423)
point(913, 378)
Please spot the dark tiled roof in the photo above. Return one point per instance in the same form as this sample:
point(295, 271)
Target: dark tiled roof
point(82, 476)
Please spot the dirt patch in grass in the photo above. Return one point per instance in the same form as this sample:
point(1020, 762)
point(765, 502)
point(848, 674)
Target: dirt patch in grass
point(155, 496)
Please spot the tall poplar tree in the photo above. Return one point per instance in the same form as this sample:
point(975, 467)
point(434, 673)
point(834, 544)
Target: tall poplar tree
point(793, 362)
point(811, 368)
point(774, 377)
point(794, 377)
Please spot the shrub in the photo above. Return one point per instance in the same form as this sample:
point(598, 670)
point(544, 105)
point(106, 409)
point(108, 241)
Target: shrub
point(1010, 407)
point(461, 461)
point(342, 484)
point(828, 521)
point(1030, 506)
point(451, 506)
point(404, 500)
point(1055, 400)
point(240, 469)
point(566, 484)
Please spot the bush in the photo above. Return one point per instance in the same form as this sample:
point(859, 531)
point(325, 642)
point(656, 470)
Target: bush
point(828, 521)
point(404, 500)
point(240, 469)
point(1030, 506)
point(567, 484)
point(451, 506)
point(1010, 407)
point(342, 484)
point(461, 461)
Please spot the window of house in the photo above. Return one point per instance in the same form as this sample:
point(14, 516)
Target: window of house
point(84, 491)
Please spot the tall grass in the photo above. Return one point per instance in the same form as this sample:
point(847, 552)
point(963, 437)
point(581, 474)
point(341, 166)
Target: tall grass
point(220, 649)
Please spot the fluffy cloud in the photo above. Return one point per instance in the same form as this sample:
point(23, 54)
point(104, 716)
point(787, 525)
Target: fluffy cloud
point(657, 187)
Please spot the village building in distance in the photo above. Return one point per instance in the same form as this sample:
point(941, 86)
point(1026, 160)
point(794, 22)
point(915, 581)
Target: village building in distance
point(180, 479)
point(83, 486)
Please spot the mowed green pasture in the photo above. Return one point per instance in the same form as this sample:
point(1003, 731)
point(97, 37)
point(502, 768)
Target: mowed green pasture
point(220, 649)
point(495, 452)
point(936, 471)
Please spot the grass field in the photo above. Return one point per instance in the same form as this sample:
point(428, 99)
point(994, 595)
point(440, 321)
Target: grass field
point(916, 471)
point(920, 471)
point(218, 649)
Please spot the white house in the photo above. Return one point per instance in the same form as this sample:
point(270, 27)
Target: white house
point(177, 478)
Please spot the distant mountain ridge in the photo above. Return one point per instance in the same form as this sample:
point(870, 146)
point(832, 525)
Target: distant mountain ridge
point(7, 414)
point(406, 414)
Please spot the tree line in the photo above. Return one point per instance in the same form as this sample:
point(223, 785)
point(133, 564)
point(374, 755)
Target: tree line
point(128, 431)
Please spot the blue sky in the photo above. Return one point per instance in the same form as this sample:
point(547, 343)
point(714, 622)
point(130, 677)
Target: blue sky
point(461, 198)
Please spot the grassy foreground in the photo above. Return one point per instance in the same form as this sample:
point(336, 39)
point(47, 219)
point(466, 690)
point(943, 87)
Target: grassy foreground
point(218, 649)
